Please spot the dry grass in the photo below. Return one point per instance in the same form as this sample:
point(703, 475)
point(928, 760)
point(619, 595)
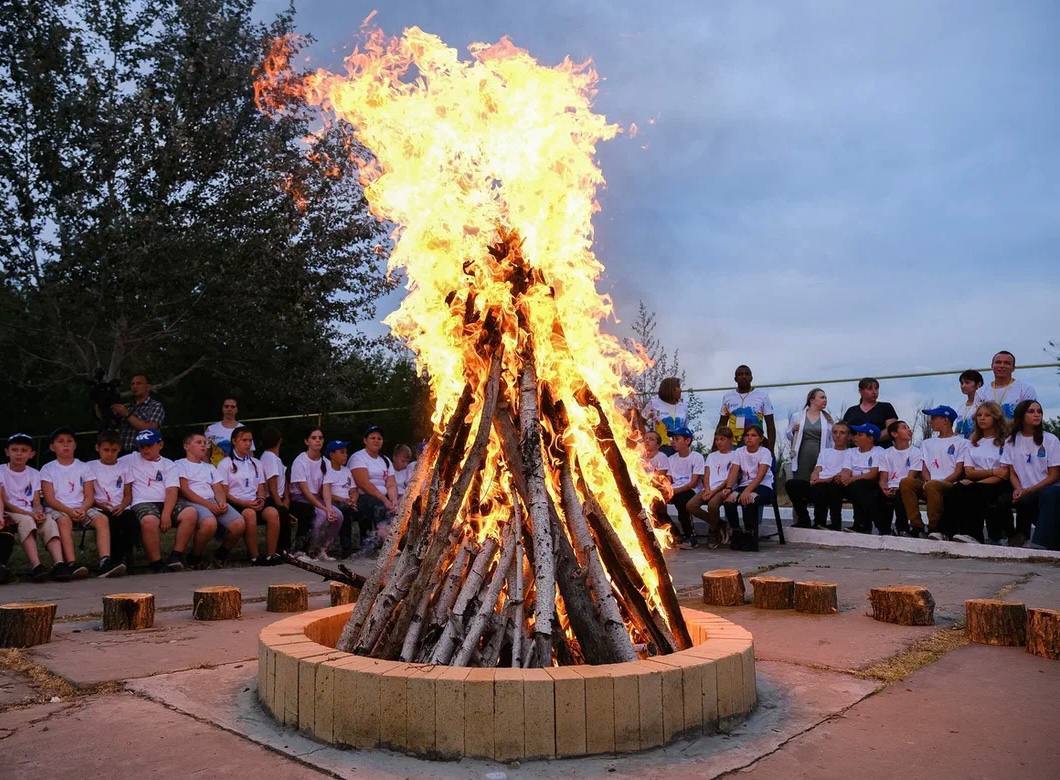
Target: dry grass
point(45, 682)
point(920, 654)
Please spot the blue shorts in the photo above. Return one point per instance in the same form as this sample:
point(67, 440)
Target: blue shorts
point(224, 520)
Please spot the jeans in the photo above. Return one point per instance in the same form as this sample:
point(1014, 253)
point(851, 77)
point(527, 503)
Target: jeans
point(680, 502)
point(1047, 527)
point(968, 506)
point(867, 499)
point(752, 513)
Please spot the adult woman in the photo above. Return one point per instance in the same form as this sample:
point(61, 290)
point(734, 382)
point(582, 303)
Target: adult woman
point(1033, 457)
point(984, 492)
point(219, 434)
point(307, 477)
point(809, 431)
point(374, 474)
point(666, 412)
point(871, 410)
point(244, 483)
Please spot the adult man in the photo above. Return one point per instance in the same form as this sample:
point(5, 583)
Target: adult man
point(747, 406)
point(872, 411)
point(146, 412)
point(1005, 390)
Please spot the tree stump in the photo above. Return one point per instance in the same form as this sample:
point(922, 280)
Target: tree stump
point(128, 611)
point(287, 598)
point(723, 588)
point(905, 605)
point(773, 592)
point(217, 602)
point(26, 623)
point(341, 593)
point(817, 598)
point(995, 622)
point(1043, 633)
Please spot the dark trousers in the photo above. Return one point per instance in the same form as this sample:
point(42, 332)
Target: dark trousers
point(370, 513)
point(800, 491)
point(7, 544)
point(752, 513)
point(350, 518)
point(866, 497)
point(891, 507)
point(304, 515)
point(1026, 512)
point(828, 504)
point(284, 543)
point(1047, 524)
point(684, 519)
point(124, 534)
point(967, 507)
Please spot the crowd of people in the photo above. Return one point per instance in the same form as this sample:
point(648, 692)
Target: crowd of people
point(333, 501)
point(987, 471)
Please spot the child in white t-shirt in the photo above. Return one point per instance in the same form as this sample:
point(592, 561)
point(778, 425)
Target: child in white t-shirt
point(112, 495)
point(23, 508)
point(307, 479)
point(983, 494)
point(277, 494)
point(943, 455)
point(686, 468)
point(826, 490)
point(716, 469)
point(860, 479)
point(404, 468)
point(340, 503)
point(373, 473)
point(902, 461)
point(243, 480)
point(202, 488)
point(970, 381)
point(750, 483)
point(1032, 456)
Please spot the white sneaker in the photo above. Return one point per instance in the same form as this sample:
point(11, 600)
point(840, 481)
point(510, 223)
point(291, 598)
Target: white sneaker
point(936, 536)
point(965, 538)
point(325, 557)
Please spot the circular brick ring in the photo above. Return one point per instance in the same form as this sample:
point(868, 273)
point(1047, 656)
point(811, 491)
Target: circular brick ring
point(498, 713)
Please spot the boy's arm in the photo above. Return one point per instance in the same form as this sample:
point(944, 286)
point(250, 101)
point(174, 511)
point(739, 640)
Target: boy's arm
point(189, 495)
point(871, 474)
point(955, 475)
point(48, 489)
point(90, 495)
point(168, 505)
point(220, 495)
point(126, 499)
point(272, 484)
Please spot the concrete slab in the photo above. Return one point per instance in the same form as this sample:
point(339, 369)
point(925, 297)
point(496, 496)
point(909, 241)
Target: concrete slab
point(919, 546)
point(14, 689)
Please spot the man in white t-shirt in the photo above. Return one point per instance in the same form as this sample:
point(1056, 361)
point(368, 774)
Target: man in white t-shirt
point(747, 406)
point(943, 458)
point(686, 473)
point(1005, 389)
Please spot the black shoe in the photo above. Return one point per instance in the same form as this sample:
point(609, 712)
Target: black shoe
point(77, 571)
point(108, 567)
point(175, 562)
point(261, 560)
point(194, 562)
point(801, 525)
point(820, 527)
point(274, 560)
point(220, 556)
point(157, 567)
point(60, 572)
point(5, 575)
point(39, 573)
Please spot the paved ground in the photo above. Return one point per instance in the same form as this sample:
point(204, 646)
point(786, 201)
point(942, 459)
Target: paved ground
point(186, 689)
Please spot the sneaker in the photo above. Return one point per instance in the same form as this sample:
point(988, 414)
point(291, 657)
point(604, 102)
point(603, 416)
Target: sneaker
point(156, 567)
point(274, 560)
point(936, 536)
point(108, 567)
point(175, 562)
point(261, 560)
point(60, 572)
point(5, 574)
point(325, 557)
point(77, 571)
point(966, 538)
point(820, 526)
point(1017, 540)
point(39, 573)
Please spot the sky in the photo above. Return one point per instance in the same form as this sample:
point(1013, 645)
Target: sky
point(829, 189)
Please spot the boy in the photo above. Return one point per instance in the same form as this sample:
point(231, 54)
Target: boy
point(275, 474)
point(200, 488)
point(112, 495)
point(899, 462)
point(154, 502)
point(340, 498)
point(747, 406)
point(69, 499)
point(970, 381)
point(825, 487)
point(686, 472)
point(22, 508)
point(715, 473)
point(860, 478)
point(943, 457)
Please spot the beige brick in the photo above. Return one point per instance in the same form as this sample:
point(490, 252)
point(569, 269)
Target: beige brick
point(750, 683)
point(569, 692)
point(728, 663)
point(449, 710)
point(263, 673)
point(691, 689)
point(650, 692)
point(420, 707)
point(599, 709)
point(478, 713)
point(673, 701)
point(539, 714)
point(325, 683)
point(357, 707)
point(509, 741)
point(307, 689)
point(285, 695)
point(627, 706)
point(393, 712)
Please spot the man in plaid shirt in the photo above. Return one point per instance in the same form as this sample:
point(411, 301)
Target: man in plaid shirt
point(145, 412)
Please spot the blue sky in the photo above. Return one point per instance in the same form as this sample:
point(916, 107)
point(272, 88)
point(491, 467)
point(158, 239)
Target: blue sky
point(829, 189)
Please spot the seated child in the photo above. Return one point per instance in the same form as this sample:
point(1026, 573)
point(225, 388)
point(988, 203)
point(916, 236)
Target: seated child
point(112, 495)
point(715, 474)
point(686, 472)
point(202, 488)
point(826, 489)
point(899, 462)
point(243, 480)
point(23, 509)
point(860, 479)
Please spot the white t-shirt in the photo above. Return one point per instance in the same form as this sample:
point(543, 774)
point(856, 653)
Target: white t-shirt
point(660, 461)
point(749, 463)
point(402, 477)
point(663, 417)
point(682, 469)
point(147, 477)
point(341, 481)
point(898, 463)
point(717, 467)
point(217, 433)
point(831, 461)
point(964, 425)
point(861, 462)
point(941, 456)
point(309, 471)
point(272, 466)
point(745, 409)
point(983, 454)
point(1030, 461)
point(110, 481)
point(379, 468)
point(1006, 397)
point(20, 486)
point(201, 476)
point(68, 482)
point(243, 480)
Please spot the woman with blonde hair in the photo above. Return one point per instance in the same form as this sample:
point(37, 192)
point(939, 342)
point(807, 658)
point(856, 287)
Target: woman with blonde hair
point(984, 492)
point(666, 412)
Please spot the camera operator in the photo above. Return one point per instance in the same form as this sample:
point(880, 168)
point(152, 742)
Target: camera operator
point(145, 412)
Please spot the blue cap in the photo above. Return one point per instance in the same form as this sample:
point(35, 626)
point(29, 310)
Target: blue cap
point(335, 444)
point(684, 430)
point(868, 428)
point(147, 437)
point(942, 411)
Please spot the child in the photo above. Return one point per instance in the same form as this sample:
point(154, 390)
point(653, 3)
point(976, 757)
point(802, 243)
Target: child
point(715, 474)
point(404, 468)
point(1032, 456)
point(243, 480)
point(307, 476)
point(752, 472)
point(826, 489)
point(340, 501)
point(276, 493)
point(970, 380)
point(686, 472)
point(860, 479)
point(984, 493)
point(22, 508)
point(943, 454)
point(69, 499)
point(202, 488)
point(112, 494)
point(899, 462)
point(747, 406)
point(154, 502)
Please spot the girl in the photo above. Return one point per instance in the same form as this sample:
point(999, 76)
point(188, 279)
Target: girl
point(244, 485)
point(404, 468)
point(307, 476)
point(984, 493)
point(752, 472)
point(970, 381)
point(666, 412)
point(1032, 456)
point(276, 493)
point(654, 459)
point(715, 475)
point(340, 498)
point(825, 487)
point(373, 474)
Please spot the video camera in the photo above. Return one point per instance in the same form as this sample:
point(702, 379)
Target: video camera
point(103, 393)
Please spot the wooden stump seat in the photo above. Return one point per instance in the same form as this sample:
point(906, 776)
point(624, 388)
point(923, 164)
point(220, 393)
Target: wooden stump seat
point(723, 588)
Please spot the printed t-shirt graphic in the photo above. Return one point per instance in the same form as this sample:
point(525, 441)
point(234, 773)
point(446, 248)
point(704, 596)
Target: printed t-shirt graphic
point(744, 409)
point(1006, 397)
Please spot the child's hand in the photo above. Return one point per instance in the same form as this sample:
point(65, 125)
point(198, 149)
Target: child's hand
point(165, 522)
point(748, 497)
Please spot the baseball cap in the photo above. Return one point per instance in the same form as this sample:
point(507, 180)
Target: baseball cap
point(942, 411)
point(684, 430)
point(20, 438)
point(147, 437)
point(336, 444)
point(372, 428)
point(62, 430)
point(868, 428)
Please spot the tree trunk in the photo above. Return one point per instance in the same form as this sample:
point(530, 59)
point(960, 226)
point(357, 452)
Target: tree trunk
point(995, 622)
point(904, 605)
point(816, 598)
point(217, 602)
point(341, 593)
point(287, 598)
point(1043, 633)
point(24, 624)
point(723, 588)
point(128, 611)
point(773, 592)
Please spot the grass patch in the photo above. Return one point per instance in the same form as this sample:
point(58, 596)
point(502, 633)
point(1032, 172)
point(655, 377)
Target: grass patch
point(920, 654)
point(47, 684)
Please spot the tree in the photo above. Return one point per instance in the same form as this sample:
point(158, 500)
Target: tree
point(151, 216)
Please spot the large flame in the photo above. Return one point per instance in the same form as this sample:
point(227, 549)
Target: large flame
point(467, 153)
